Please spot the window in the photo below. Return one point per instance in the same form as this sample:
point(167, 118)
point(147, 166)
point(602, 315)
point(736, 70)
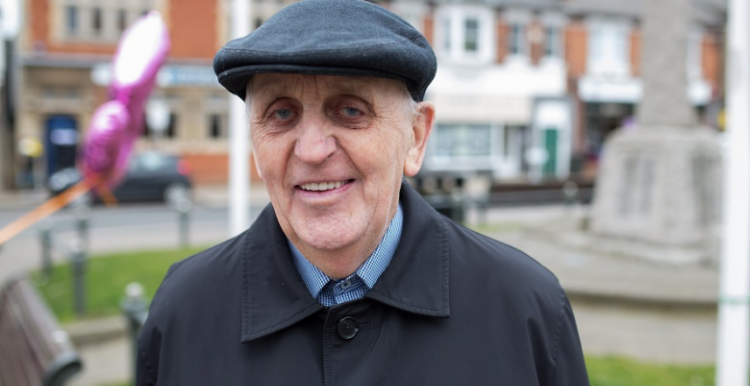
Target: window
point(456, 140)
point(465, 34)
point(552, 42)
point(96, 21)
point(122, 20)
point(215, 126)
point(516, 40)
point(471, 35)
point(608, 48)
point(71, 19)
point(513, 141)
point(172, 128)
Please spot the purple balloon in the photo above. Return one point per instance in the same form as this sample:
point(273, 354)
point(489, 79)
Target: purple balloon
point(117, 124)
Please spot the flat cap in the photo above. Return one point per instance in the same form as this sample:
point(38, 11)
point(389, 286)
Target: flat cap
point(330, 37)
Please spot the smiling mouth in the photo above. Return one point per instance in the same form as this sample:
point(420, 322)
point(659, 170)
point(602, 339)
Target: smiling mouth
point(323, 186)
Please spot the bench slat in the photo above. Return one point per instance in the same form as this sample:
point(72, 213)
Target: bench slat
point(34, 350)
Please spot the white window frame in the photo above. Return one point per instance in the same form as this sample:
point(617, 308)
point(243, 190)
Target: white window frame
point(552, 44)
point(450, 34)
point(604, 57)
point(523, 19)
point(517, 38)
point(557, 21)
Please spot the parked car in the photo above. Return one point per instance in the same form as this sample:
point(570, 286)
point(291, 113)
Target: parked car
point(151, 176)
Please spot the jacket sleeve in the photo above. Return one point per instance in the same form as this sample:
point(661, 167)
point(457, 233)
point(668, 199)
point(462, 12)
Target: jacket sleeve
point(570, 368)
point(147, 357)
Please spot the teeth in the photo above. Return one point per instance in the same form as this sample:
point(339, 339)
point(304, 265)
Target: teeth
point(320, 186)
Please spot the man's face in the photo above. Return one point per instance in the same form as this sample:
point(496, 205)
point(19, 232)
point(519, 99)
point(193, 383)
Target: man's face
point(332, 152)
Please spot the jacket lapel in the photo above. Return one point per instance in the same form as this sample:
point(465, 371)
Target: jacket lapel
point(274, 295)
point(416, 281)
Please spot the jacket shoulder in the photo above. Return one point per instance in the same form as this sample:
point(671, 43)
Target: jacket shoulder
point(194, 283)
point(501, 262)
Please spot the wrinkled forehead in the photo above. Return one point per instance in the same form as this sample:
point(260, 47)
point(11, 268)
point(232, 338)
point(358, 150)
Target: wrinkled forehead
point(371, 88)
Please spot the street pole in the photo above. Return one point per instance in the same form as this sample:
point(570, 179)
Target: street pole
point(734, 291)
point(239, 138)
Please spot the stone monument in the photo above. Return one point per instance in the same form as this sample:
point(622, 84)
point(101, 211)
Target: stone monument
point(658, 188)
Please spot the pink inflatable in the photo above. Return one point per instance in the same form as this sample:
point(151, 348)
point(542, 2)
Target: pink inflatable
point(117, 123)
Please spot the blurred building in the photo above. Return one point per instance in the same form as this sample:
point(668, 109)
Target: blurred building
point(525, 88)
point(529, 89)
point(66, 49)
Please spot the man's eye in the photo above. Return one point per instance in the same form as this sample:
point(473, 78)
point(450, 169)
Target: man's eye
point(283, 114)
point(351, 111)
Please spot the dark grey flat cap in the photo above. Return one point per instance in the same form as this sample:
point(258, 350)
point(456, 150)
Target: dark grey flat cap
point(330, 37)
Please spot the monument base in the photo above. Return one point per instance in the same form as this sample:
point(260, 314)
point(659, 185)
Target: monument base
point(658, 190)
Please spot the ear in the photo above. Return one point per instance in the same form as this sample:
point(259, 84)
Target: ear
point(421, 129)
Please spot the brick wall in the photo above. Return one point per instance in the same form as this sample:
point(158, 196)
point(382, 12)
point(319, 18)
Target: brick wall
point(501, 31)
point(635, 52)
point(192, 27)
point(711, 60)
point(213, 168)
point(575, 48)
point(39, 19)
point(188, 39)
point(429, 28)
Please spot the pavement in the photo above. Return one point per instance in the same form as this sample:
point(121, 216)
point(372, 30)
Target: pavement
point(642, 309)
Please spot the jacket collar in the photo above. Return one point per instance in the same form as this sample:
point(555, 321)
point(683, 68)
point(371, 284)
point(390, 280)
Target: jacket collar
point(274, 295)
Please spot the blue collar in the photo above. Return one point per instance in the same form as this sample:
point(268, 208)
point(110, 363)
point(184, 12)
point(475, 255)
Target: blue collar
point(369, 272)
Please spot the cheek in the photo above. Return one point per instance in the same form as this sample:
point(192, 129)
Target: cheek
point(271, 159)
point(378, 154)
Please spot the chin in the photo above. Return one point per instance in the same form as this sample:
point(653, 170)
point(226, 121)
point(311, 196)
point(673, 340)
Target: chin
point(328, 241)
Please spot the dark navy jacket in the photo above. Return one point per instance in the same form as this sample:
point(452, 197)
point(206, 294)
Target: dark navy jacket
point(453, 308)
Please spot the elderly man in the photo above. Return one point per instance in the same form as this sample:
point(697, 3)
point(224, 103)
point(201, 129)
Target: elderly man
point(349, 277)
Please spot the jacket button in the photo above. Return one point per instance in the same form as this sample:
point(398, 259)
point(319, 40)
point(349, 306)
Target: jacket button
point(347, 328)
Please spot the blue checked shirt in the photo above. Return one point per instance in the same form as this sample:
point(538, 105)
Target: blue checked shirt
point(331, 292)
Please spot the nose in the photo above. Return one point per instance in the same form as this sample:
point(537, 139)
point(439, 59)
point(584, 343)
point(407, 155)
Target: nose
point(314, 144)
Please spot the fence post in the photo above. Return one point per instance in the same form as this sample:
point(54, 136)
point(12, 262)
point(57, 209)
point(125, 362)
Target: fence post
point(183, 205)
point(45, 236)
point(81, 209)
point(183, 210)
point(135, 309)
point(82, 226)
point(78, 264)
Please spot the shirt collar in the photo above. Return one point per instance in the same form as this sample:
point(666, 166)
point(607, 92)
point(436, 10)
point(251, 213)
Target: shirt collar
point(369, 272)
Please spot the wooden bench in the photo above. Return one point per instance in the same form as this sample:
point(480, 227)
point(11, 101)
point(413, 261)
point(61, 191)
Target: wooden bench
point(34, 350)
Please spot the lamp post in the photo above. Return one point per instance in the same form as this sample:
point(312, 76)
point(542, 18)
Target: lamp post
point(734, 287)
point(239, 141)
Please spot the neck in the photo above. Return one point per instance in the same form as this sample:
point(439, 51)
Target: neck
point(342, 262)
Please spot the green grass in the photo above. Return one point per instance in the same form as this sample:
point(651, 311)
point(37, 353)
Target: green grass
point(106, 278)
point(615, 371)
